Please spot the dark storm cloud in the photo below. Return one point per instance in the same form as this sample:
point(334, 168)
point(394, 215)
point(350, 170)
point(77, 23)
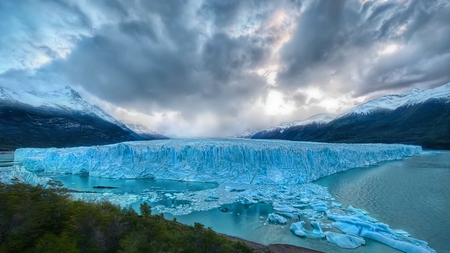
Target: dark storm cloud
point(158, 62)
point(227, 57)
point(341, 40)
point(203, 57)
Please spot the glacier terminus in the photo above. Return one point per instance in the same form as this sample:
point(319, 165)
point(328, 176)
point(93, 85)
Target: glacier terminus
point(221, 161)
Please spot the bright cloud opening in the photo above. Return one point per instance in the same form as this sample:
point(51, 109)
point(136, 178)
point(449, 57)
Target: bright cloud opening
point(390, 49)
point(276, 104)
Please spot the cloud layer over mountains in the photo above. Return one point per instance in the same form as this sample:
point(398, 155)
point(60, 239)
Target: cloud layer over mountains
point(210, 68)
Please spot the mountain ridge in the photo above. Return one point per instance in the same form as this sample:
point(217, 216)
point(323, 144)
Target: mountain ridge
point(416, 117)
point(58, 118)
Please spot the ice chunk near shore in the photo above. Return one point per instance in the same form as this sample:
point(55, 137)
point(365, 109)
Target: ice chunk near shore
point(317, 229)
point(354, 225)
point(320, 207)
point(298, 228)
point(17, 173)
point(247, 201)
point(276, 219)
point(283, 208)
point(345, 241)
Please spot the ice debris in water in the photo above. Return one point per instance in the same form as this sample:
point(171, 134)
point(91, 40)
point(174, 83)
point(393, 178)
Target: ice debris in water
point(345, 241)
point(17, 173)
point(276, 219)
point(291, 203)
point(356, 224)
point(298, 228)
point(222, 161)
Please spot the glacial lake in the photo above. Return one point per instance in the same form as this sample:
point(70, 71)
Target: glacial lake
point(411, 194)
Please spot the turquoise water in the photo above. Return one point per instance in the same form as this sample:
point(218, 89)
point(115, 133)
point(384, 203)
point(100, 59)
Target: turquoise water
point(412, 194)
point(134, 186)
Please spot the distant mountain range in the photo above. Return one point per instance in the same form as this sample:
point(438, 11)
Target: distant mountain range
point(420, 117)
point(144, 132)
point(58, 118)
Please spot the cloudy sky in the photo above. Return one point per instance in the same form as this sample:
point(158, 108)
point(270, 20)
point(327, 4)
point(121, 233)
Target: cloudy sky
point(204, 68)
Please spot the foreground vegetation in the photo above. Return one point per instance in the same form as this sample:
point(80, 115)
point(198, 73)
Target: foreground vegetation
point(38, 219)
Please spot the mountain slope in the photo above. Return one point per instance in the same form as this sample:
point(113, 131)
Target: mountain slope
point(313, 121)
point(417, 117)
point(58, 118)
point(144, 132)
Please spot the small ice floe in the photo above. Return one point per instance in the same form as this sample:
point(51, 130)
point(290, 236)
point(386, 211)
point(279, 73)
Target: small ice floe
point(320, 207)
point(304, 200)
point(345, 241)
point(211, 197)
point(283, 208)
point(357, 211)
point(276, 219)
point(336, 204)
point(291, 216)
point(317, 229)
point(401, 232)
point(247, 201)
point(298, 228)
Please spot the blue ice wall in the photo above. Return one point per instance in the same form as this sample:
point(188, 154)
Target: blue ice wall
point(222, 161)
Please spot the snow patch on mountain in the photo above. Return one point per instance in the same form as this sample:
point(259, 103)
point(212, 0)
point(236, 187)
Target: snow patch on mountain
point(247, 134)
point(322, 118)
point(144, 131)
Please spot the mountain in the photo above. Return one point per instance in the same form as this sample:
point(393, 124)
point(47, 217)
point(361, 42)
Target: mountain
point(315, 120)
point(420, 117)
point(144, 132)
point(59, 118)
point(247, 134)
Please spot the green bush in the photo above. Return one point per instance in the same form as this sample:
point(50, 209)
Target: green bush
point(39, 219)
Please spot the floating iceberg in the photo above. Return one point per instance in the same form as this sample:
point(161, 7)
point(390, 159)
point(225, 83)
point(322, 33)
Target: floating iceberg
point(276, 219)
point(222, 161)
point(298, 228)
point(345, 241)
point(377, 231)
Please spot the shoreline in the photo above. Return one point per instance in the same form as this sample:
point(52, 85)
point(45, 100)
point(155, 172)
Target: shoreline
point(6, 152)
point(275, 248)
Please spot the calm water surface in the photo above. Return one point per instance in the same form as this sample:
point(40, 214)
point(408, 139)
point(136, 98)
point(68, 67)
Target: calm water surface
point(86, 183)
point(412, 194)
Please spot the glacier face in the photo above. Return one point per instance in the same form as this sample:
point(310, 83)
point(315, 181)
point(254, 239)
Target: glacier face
point(221, 161)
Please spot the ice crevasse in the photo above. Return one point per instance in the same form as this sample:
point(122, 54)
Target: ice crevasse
point(221, 161)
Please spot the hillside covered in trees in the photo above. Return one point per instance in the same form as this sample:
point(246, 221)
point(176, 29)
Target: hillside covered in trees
point(45, 219)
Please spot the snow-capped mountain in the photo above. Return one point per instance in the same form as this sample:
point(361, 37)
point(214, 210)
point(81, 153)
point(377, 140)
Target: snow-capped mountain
point(58, 100)
point(321, 118)
point(246, 134)
point(59, 118)
point(392, 102)
point(144, 131)
point(417, 117)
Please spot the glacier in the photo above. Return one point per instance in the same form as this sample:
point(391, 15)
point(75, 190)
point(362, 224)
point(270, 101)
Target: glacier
point(17, 173)
point(222, 161)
